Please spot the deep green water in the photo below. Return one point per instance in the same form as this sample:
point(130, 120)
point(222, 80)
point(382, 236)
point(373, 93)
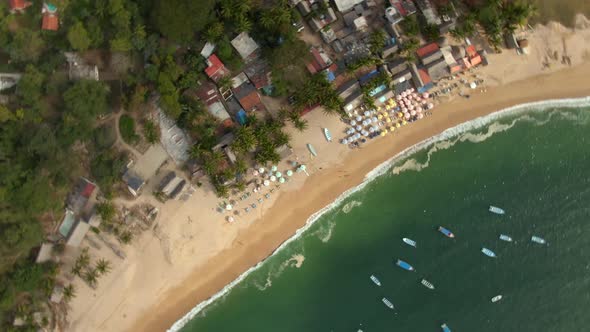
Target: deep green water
point(538, 171)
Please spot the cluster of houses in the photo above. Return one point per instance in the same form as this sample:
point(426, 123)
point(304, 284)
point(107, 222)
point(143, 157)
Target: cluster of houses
point(230, 104)
point(348, 39)
point(50, 20)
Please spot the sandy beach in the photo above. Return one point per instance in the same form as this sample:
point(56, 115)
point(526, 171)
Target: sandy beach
point(193, 253)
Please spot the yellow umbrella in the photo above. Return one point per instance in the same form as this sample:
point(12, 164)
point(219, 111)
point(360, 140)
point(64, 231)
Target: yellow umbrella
point(380, 117)
point(404, 122)
point(388, 120)
point(400, 114)
point(398, 125)
point(382, 133)
point(392, 129)
point(378, 108)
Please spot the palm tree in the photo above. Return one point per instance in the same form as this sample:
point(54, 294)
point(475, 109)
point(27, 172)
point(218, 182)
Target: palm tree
point(377, 41)
point(91, 277)
point(240, 166)
point(84, 259)
point(240, 186)
point(76, 270)
point(282, 115)
point(126, 237)
point(243, 24)
point(245, 139)
point(225, 82)
point(227, 10)
point(301, 125)
point(69, 292)
point(222, 190)
point(282, 138)
point(103, 266)
point(214, 32)
point(267, 19)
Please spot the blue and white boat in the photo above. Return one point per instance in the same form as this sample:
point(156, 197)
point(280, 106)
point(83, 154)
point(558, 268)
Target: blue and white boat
point(327, 135)
point(446, 232)
point(409, 242)
point(505, 238)
point(496, 210)
point(387, 303)
point(375, 280)
point(538, 240)
point(488, 252)
point(404, 265)
point(445, 328)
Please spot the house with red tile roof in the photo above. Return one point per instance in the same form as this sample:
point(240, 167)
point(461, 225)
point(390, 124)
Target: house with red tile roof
point(18, 6)
point(248, 97)
point(215, 68)
point(50, 18)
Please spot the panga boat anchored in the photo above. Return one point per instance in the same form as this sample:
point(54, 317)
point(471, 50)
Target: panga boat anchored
point(496, 298)
point(312, 150)
point(538, 240)
point(488, 252)
point(445, 328)
point(505, 238)
point(496, 210)
point(375, 280)
point(404, 265)
point(446, 232)
point(427, 284)
point(388, 303)
point(409, 242)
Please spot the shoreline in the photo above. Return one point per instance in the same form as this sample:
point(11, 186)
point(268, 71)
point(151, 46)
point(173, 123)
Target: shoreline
point(285, 218)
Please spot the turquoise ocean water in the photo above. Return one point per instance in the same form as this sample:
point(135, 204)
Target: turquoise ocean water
point(535, 165)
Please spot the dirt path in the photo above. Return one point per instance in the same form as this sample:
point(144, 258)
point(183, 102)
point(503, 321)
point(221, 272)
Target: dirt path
point(120, 142)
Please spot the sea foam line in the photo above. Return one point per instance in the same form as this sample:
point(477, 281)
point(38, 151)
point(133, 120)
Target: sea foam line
point(382, 169)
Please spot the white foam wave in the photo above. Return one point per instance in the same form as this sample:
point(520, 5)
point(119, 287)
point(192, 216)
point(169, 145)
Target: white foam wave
point(351, 205)
point(382, 169)
point(294, 261)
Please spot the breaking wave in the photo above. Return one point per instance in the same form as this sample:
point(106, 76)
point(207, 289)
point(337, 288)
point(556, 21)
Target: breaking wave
point(452, 133)
point(294, 261)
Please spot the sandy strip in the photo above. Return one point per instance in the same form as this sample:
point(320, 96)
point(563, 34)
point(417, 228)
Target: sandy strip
point(292, 209)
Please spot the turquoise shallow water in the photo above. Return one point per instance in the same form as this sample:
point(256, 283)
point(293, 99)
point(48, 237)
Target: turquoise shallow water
point(536, 166)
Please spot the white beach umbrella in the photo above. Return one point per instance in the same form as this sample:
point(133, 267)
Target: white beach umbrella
point(420, 116)
point(289, 173)
point(230, 219)
point(344, 141)
point(229, 207)
point(261, 170)
point(371, 130)
point(282, 180)
point(273, 178)
point(278, 174)
point(359, 118)
point(407, 116)
point(367, 113)
point(359, 127)
point(430, 106)
point(472, 85)
point(413, 113)
point(255, 173)
point(353, 123)
point(303, 168)
point(412, 89)
point(419, 109)
point(266, 183)
point(274, 168)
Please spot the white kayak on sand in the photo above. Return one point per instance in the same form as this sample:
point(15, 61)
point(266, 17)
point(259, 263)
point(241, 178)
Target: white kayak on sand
point(327, 135)
point(312, 150)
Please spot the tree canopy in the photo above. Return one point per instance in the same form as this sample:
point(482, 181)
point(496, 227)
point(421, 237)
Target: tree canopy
point(179, 20)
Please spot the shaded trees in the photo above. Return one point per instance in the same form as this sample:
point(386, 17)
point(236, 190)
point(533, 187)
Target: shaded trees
point(179, 20)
